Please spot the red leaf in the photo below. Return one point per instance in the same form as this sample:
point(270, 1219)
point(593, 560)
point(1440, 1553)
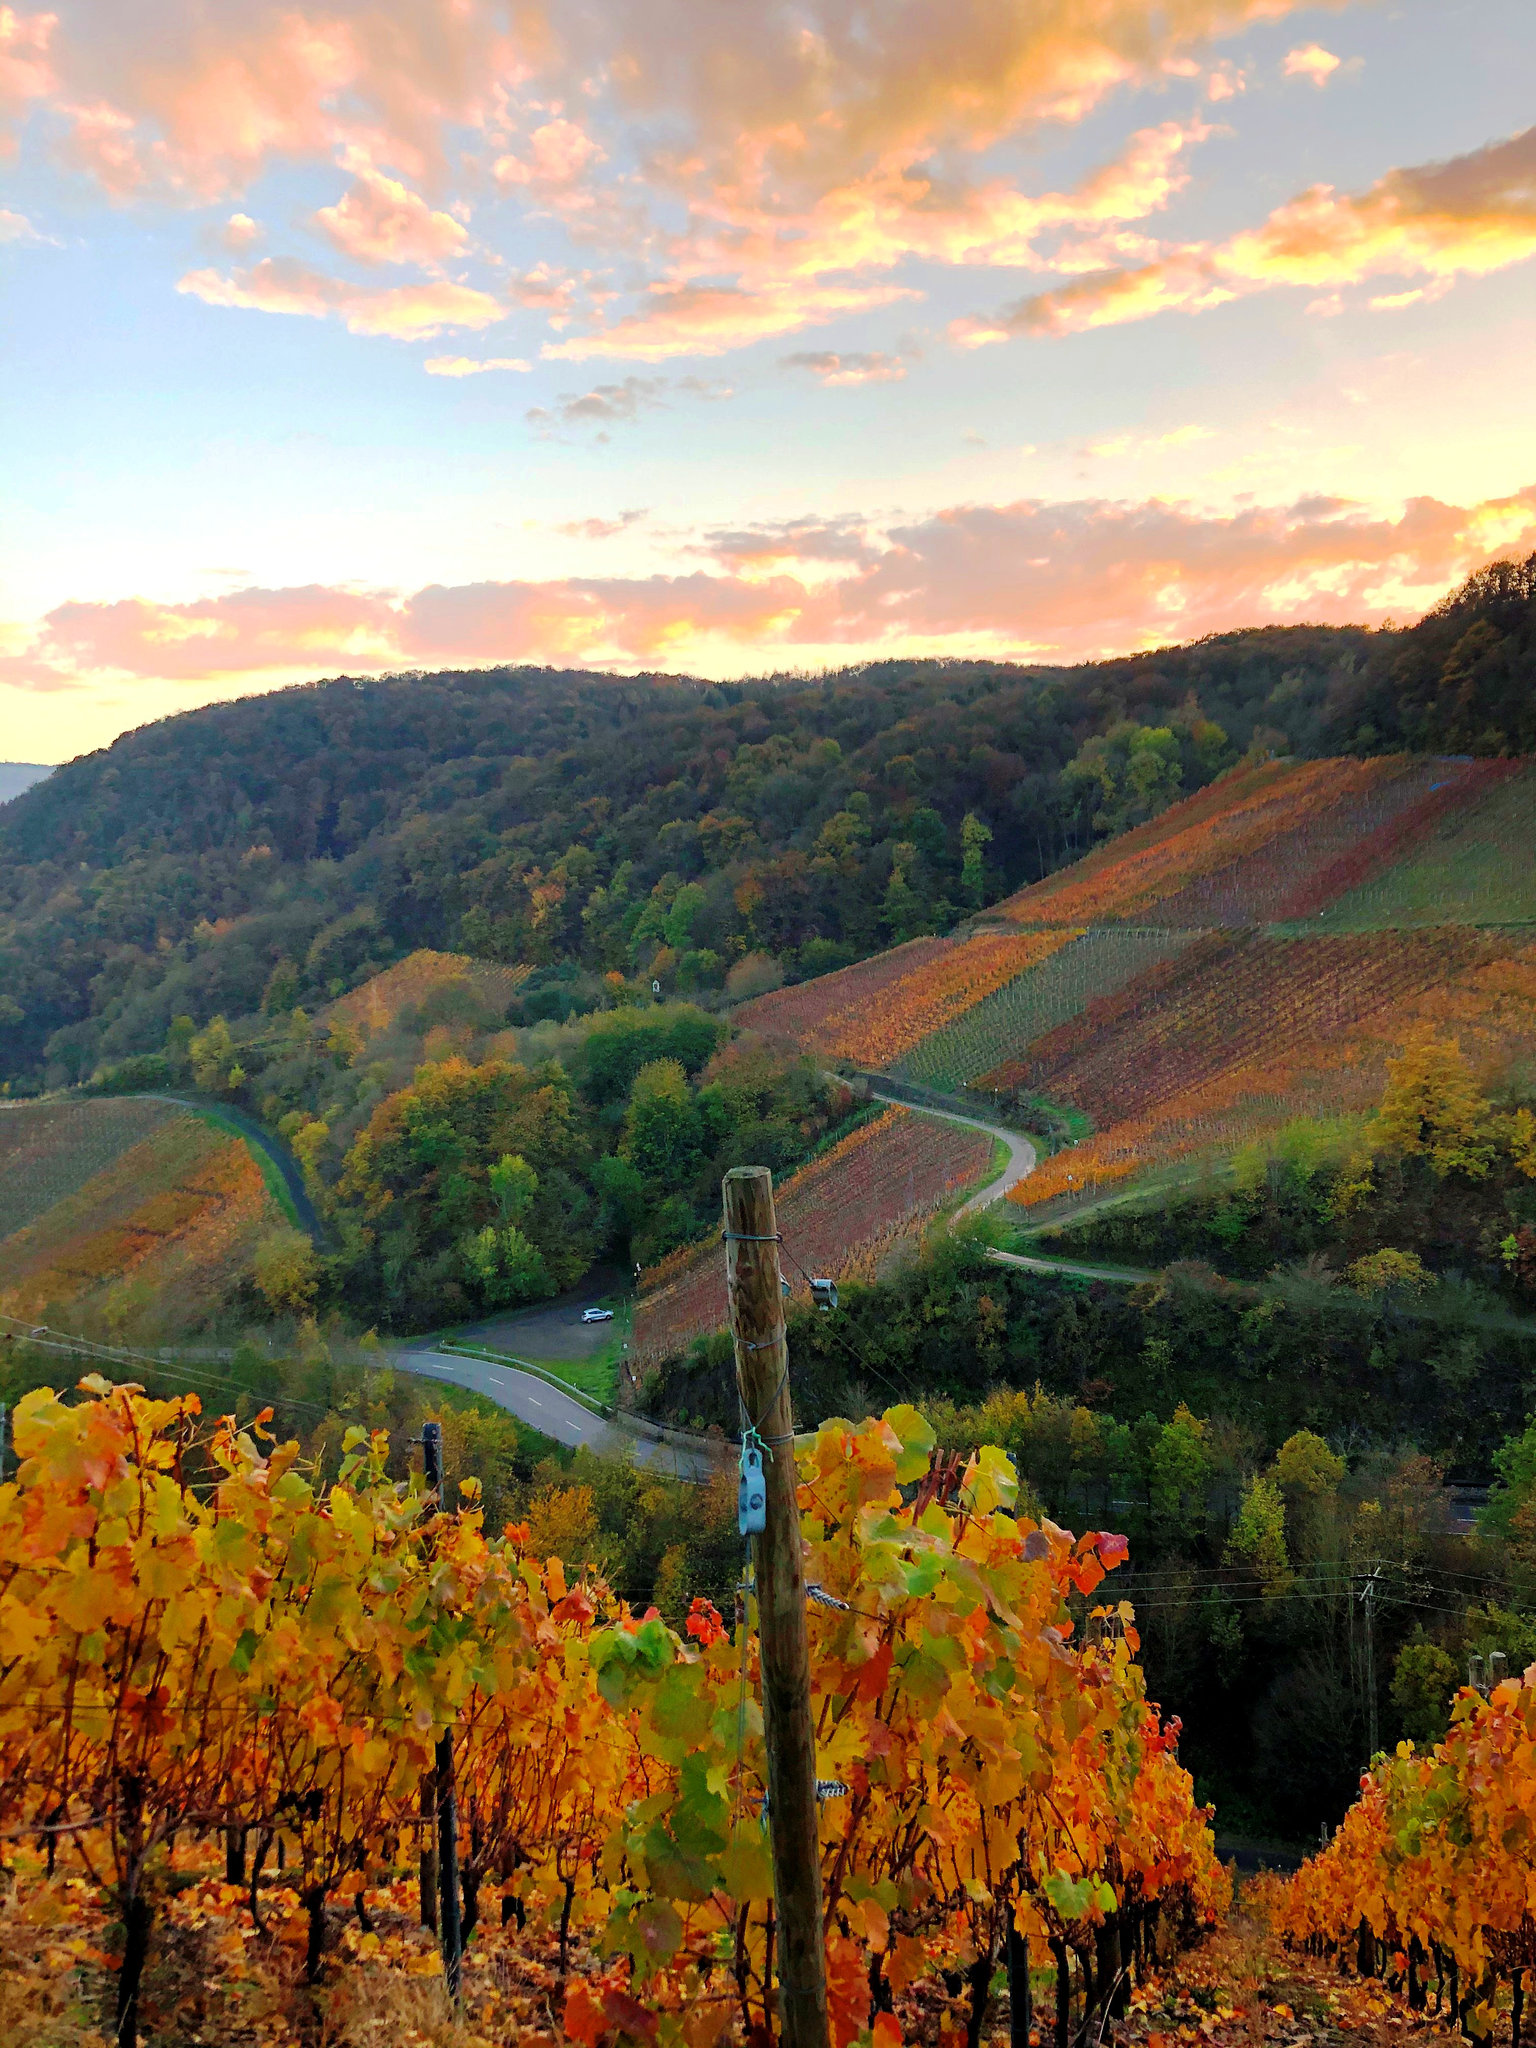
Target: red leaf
point(629, 2015)
point(874, 1674)
point(585, 2020)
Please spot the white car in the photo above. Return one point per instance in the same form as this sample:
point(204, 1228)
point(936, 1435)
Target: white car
point(597, 1315)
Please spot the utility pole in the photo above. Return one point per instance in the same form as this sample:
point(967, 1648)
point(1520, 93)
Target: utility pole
point(762, 1371)
point(449, 1917)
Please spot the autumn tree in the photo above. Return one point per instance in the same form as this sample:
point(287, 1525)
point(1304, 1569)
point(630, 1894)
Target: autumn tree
point(975, 838)
point(662, 1130)
point(286, 1271)
point(462, 1187)
point(1258, 1536)
point(1432, 1108)
point(1424, 1681)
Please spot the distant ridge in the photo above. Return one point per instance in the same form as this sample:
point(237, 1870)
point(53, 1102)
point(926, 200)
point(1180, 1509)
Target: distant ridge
point(16, 776)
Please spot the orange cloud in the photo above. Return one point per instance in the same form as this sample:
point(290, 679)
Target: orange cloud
point(1472, 215)
point(15, 227)
point(558, 154)
point(379, 220)
point(239, 233)
point(468, 366)
point(26, 74)
point(247, 632)
point(406, 312)
point(707, 320)
point(1311, 61)
point(227, 87)
point(828, 367)
point(799, 100)
point(893, 214)
point(1065, 579)
point(1148, 444)
point(792, 146)
point(601, 529)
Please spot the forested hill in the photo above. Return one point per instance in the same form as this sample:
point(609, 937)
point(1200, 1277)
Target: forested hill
point(1463, 680)
point(652, 827)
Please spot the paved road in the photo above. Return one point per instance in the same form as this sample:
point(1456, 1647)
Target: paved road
point(555, 1414)
point(1021, 1163)
point(1021, 1154)
point(545, 1408)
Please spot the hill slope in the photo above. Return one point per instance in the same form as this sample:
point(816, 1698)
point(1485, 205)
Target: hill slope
point(1256, 952)
point(113, 1210)
point(582, 825)
point(16, 776)
point(840, 1215)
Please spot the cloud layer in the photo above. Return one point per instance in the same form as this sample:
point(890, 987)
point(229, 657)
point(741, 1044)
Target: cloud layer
point(1471, 215)
point(696, 179)
point(1041, 580)
point(710, 179)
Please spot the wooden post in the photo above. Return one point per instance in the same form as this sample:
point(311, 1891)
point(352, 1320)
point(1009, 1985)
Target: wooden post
point(1021, 2015)
point(426, 1864)
point(450, 1913)
point(762, 1368)
point(449, 1921)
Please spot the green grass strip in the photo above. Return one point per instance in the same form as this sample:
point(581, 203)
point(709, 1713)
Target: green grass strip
point(599, 1378)
point(271, 1175)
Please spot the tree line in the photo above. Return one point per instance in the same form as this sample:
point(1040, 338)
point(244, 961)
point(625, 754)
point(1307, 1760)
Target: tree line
point(283, 848)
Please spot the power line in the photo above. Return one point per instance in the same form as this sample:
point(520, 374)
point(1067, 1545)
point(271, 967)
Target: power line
point(44, 1338)
point(833, 1331)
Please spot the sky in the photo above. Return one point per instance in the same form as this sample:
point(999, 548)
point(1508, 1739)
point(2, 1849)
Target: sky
point(733, 336)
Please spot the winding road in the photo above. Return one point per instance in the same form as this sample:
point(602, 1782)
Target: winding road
point(556, 1415)
point(545, 1408)
point(1021, 1154)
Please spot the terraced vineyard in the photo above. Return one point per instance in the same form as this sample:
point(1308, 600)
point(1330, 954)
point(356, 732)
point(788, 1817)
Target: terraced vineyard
point(172, 1220)
point(840, 1215)
point(808, 1015)
point(1004, 1024)
point(1314, 1060)
point(379, 1004)
point(1228, 1000)
point(1238, 853)
point(1252, 954)
point(49, 1150)
point(1472, 865)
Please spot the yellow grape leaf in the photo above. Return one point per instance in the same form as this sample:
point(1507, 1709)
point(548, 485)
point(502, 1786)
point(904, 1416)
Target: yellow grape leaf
point(21, 1630)
point(85, 1601)
point(993, 1483)
point(745, 1866)
point(917, 1441)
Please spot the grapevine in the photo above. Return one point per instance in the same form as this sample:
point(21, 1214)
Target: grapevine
point(200, 1639)
point(1430, 1869)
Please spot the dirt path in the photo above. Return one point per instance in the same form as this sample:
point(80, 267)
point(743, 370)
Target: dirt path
point(1239, 1986)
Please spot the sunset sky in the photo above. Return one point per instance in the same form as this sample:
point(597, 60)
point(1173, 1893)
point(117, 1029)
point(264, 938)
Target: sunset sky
point(728, 336)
